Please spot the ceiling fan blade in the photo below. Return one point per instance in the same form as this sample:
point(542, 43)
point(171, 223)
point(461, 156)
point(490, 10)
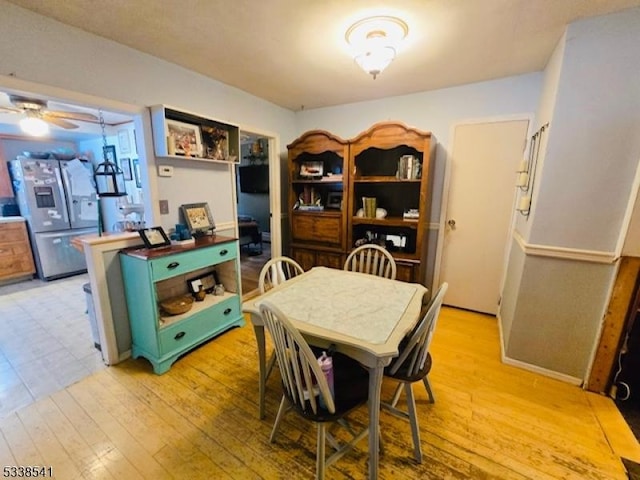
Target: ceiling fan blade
point(84, 117)
point(10, 110)
point(59, 122)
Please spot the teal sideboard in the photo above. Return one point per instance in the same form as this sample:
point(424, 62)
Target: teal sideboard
point(153, 275)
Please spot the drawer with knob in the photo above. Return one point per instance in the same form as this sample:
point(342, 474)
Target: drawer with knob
point(198, 326)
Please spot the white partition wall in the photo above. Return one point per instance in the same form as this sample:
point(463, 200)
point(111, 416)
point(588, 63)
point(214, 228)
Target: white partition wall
point(563, 259)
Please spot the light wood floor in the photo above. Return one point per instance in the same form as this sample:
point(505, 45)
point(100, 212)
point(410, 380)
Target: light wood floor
point(199, 420)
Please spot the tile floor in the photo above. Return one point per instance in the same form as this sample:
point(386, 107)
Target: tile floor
point(45, 340)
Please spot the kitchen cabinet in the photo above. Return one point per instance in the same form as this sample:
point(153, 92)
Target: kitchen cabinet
point(188, 136)
point(154, 275)
point(16, 259)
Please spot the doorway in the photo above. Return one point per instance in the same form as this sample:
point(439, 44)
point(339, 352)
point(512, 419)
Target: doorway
point(254, 195)
point(483, 164)
point(118, 117)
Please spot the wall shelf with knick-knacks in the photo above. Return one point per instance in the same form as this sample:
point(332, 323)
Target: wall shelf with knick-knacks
point(185, 135)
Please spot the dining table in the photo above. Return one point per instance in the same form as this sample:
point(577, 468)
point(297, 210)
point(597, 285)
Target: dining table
point(360, 315)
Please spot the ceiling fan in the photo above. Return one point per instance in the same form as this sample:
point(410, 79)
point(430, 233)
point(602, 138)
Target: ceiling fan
point(36, 108)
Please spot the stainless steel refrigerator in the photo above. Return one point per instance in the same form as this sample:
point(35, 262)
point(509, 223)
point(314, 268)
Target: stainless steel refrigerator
point(58, 200)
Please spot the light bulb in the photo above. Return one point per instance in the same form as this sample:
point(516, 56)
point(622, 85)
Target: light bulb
point(35, 127)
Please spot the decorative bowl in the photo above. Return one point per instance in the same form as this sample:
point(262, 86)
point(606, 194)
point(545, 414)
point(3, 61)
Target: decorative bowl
point(177, 305)
point(380, 213)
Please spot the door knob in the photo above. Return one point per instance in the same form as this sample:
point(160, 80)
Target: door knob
point(452, 224)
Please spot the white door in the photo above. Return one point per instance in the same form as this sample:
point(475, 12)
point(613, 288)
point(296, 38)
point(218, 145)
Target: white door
point(484, 160)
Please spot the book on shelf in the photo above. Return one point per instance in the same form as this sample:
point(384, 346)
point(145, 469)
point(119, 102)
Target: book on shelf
point(411, 214)
point(409, 168)
point(311, 208)
point(309, 196)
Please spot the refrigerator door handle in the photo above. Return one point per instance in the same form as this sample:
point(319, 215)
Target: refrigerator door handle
point(67, 186)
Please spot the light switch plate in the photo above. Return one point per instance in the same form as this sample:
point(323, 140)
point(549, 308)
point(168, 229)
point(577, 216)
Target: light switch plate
point(164, 207)
point(165, 170)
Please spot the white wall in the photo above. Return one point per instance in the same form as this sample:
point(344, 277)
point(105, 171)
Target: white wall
point(594, 145)
point(557, 294)
point(537, 152)
point(41, 50)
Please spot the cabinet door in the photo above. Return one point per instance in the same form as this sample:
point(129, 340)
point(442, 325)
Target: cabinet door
point(316, 228)
point(306, 258)
point(328, 259)
point(405, 272)
point(5, 183)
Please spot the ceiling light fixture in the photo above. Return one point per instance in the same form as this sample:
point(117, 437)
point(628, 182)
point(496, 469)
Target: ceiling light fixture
point(375, 41)
point(34, 126)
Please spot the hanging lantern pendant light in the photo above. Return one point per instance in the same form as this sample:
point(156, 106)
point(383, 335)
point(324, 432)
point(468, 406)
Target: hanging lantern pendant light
point(109, 177)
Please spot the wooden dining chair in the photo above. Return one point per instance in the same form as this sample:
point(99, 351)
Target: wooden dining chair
point(306, 390)
point(371, 259)
point(414, 364)
point(274, 272)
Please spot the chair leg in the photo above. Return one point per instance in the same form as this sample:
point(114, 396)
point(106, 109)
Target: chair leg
point(396, 395)
point(276, 424)
point(415, 428)
point(427, 385)
point(320, 453)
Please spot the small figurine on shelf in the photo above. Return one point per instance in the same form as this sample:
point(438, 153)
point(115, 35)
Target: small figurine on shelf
point(200, 294)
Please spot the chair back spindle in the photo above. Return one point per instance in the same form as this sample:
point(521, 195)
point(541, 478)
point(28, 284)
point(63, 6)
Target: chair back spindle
point(302, 376)
point(373, 260)
point(276, 271)
point(414, 354)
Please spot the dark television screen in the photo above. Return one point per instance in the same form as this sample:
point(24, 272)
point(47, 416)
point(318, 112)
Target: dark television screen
point(254, 178)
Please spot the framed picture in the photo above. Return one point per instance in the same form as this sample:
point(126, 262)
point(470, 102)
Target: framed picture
point(207, 281)
point(123, 141)
point(184, 138)
point(311, 169)
point(136, 172)
point(198, 217)
point(154, 237)
point(125, 165)
point(110, 153)
point(334, 200)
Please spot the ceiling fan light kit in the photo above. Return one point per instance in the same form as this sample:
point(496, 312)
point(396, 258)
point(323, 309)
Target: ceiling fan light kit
point(38, 117)
point(375, 41)
point(34, 126)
